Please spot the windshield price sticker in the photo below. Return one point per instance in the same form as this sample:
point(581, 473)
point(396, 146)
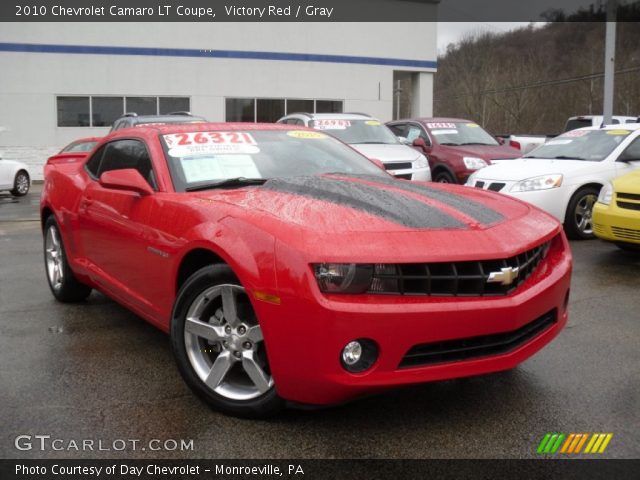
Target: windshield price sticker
point(618, 132)
point(215, 143)
point(472, 125)
point(559, 142)
point(331, 124)
point(441, 125)
point(373, 123)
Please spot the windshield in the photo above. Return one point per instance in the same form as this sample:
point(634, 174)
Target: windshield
point(460, 133)
point(588, 145)
point(79, 147)
point(356, 131)
point(197, 158)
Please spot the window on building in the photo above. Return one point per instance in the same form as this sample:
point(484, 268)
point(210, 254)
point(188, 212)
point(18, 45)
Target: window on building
point(297, 106)
point(328, 106)
point(269, 110)
point(105, 110)
point(240, 110)
point(102, 111)
point(73, 111)
point(174, 104)
point(142, 105)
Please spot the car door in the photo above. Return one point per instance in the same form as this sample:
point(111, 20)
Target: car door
point(115, 226)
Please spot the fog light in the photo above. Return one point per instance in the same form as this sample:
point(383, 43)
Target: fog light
point(352, 353)
point(359, 355)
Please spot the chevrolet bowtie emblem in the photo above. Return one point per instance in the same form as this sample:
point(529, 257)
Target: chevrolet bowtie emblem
point(505, 276)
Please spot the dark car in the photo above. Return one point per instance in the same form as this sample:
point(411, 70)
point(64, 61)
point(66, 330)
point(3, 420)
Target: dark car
point(132, 119)
point(455, 148)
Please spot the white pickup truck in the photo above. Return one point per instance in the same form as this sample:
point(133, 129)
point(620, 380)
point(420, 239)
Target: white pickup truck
point(526, 143)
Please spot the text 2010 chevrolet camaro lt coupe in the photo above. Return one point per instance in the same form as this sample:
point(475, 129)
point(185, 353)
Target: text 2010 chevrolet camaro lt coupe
point(288, 267)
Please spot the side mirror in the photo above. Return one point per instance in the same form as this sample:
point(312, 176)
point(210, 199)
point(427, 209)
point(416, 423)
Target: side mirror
point(501, 140)
point(404, 140)
point(419, 142)
point(378, 163)
point(128, 179)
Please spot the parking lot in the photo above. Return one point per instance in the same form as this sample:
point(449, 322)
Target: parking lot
point(96, 371)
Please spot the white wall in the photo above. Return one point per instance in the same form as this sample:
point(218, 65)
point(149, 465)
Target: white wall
point(29, 82)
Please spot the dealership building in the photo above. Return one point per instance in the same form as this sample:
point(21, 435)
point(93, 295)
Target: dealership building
point(64, 81)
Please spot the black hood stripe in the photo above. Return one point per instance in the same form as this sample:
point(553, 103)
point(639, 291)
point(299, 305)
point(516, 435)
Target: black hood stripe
point(479, 212)
point(392, 206)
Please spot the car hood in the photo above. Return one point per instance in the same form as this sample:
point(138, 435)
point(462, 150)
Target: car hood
point(387, 153)
point(486, 152)
point(629, 183)
point(368, 218)
point(523, 168)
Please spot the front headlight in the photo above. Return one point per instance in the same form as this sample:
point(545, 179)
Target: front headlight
point(474, 163)
point(421, 162)
point(543, 182)
point(343, 277)
point(606, 194)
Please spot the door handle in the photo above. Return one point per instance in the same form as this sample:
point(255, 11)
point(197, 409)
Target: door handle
point(86, 202)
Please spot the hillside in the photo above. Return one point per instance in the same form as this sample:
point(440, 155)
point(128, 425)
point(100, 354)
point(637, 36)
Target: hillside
point(531, 80)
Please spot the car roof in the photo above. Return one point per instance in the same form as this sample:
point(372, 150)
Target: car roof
point(438, 120)
point(211, 126)
point(623, 126)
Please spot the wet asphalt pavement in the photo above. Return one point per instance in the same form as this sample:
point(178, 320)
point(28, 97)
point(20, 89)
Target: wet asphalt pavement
point(96, 371)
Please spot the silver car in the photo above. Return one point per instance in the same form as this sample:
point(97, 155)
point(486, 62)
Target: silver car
point(370, 137)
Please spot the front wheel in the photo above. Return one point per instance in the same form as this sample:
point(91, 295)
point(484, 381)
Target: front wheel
point(578, 221)
point(21, 184)
point(62, 282)
point(443, 177)
point(218, 345)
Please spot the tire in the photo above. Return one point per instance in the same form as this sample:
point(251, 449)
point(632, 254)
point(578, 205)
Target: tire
point(578, 221)
point(443, 177)
point(219, 350)
point(63, 283)
point(21, 184)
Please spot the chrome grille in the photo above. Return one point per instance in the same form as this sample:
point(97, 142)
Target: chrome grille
point(457, 279)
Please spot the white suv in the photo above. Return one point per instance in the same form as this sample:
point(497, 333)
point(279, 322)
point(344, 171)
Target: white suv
point(369, 137)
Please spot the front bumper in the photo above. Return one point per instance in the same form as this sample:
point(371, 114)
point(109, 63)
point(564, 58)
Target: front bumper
point(616, 224)
point(306, 333)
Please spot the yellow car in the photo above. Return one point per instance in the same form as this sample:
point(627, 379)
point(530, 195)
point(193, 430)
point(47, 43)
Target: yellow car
point(616, 215)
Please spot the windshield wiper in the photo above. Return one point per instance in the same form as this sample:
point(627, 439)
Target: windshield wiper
point(451, 144)
point(477, 143)
point(229, 182)
point(371, 143)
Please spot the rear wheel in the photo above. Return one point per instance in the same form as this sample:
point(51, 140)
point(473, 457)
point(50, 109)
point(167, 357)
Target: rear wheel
point(21, 184)
point(218, 345)
point(62, 282)
point(443, 177)
point(578, 221)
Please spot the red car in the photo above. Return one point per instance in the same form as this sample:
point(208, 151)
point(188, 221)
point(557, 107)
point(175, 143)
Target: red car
point(288, 267)
point(455, 148)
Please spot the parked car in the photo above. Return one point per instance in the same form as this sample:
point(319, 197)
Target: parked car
point(81, 145)
point(287, 266)
point(132, 119)
point(573, 123)
point(565, 175)
point(616, 215)
point(455, 147)
point(371, 138)
point(526, 143)
point(14, 177)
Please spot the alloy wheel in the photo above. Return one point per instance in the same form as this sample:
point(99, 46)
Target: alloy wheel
point(54, 258)
point(583, 214)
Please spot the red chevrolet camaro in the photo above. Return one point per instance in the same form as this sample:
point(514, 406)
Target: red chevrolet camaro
point(288, 267)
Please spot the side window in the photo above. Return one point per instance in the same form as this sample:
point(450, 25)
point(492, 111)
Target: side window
point(632, 152)
point(122, 154)
point(93, 164)
point(399, 129)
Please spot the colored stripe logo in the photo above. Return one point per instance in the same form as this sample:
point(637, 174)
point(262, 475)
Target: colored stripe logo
point(573, 443)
